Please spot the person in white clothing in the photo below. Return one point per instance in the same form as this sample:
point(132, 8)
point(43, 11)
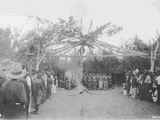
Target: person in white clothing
point(55, 83)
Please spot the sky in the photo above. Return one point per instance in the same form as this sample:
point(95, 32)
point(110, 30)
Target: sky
point(137, 17)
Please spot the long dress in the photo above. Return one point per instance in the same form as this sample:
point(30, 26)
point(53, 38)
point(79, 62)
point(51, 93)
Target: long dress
point(134, 85)
point(147, 87)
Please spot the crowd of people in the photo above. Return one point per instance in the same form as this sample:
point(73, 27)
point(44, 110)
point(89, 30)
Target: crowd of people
point(144, 85)
point(29, 89)
point(97, 81)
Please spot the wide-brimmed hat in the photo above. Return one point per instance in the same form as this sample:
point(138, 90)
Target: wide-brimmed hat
point(16, 75)
point(11, 69)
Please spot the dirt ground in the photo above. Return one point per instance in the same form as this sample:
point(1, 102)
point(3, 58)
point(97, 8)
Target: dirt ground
point(101, 105)
point(104, 104)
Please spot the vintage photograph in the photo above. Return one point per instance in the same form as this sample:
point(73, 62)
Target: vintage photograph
point(79, 59)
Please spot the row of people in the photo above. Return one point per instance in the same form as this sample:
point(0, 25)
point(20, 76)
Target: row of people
point(97, 80)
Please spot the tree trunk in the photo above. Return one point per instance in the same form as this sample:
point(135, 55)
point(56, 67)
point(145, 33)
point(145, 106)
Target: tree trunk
point(154, 56)
point(152, 62)
point(37, 65)
point(80, 86)
point(40, 57)
point(152, 65)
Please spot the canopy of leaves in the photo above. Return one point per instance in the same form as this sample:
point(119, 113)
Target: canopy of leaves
point(112, 64)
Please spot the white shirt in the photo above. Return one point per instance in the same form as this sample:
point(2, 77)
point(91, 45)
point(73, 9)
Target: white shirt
point(45, 79)
point(158, 80)
point(28, 79)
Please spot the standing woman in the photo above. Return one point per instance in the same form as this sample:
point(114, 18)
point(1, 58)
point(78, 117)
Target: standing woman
point(148, 86)
point(128, 83)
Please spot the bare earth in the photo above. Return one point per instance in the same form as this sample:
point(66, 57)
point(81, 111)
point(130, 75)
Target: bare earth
point(108, 104)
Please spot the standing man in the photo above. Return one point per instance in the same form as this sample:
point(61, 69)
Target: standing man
point(44, 79)
point(49, 84)
point(37, 89)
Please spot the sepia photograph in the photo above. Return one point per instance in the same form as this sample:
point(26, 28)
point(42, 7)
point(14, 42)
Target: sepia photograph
point(79, 59)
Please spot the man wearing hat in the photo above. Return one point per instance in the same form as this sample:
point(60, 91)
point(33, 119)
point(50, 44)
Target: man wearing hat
point(16, 72)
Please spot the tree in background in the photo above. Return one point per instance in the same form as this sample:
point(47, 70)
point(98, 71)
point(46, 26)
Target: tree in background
point(113, 64)
point(154, 54)
point(69, 35)
point(82, 44)
point(32, 46)
point(5, 43)
point(141, 62)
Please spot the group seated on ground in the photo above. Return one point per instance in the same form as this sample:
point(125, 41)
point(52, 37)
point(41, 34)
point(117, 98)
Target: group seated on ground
point(143, 85)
